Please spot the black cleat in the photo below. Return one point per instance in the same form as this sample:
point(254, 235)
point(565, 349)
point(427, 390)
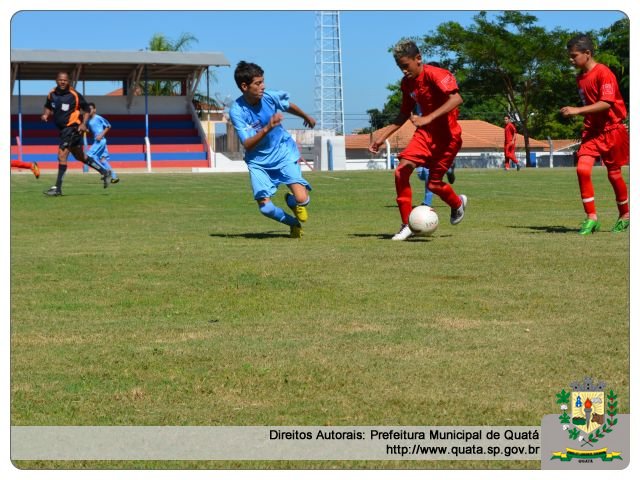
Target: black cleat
point(53, 192)
point(106, 178)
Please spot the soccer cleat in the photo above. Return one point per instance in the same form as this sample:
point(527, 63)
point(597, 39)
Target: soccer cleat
point(621, 225)
point(35, 169)
point(295, 231)
point(451, 175)
point(114, 179)
point(589, 226)
point(300, 211)
point(517, 167)
point(404, 233)
point(457, 214)
point(106, 178)
point(53, 192)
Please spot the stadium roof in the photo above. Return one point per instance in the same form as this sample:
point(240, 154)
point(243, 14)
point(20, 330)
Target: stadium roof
point(111, 65)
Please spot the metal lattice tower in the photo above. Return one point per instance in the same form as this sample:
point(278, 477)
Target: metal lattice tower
point(328, 90)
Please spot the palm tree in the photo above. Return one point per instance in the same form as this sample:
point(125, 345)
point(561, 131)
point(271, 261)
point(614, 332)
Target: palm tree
point(161, 43)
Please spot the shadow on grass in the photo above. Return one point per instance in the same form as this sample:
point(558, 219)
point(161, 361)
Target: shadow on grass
point(547, 229)
point(75, 194)
point(251, 236)
point(388, 236)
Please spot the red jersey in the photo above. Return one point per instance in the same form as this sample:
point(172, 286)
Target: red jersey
point(509, 133)
point(600, 84)
point(429, 91)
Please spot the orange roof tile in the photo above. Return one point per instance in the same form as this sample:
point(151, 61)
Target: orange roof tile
point(476, 134)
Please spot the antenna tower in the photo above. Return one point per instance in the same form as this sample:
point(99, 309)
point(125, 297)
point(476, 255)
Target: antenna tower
point(328, 90)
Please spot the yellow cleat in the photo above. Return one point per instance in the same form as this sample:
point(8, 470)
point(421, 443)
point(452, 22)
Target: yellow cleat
point(35, 169)
point(299, 211)
point(296, 231)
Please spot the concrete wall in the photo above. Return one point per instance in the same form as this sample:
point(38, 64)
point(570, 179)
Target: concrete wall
point(473, 160)
point(321, 152)
point(33, 104)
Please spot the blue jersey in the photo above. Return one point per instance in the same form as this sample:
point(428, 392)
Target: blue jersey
point(97, 125)
point(277, 148)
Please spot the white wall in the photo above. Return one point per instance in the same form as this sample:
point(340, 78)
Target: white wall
point(33, 104)
point(321, 153)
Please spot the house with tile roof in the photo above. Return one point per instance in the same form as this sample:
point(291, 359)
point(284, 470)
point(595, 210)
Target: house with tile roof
point(482, 144)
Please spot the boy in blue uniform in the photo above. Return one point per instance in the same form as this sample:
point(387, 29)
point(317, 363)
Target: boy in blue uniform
point(99, 127)
point(270, 152)
point(423, 174)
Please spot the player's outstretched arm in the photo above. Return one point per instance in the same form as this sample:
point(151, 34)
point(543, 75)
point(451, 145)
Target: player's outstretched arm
point(387, 131)
point(46, 114)
point(308, 121)
point(251, 142)
point(103, 133)
point(599, 106)
point(454, 101)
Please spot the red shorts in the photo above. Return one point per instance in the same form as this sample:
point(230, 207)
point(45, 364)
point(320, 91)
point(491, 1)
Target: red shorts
point(510, 152)
point(437, 153)
point(612, 145)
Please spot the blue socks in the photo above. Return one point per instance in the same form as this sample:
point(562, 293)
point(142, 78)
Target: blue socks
point(291, 201)
point(105, 163)
point(268, 209)
point(423, 174)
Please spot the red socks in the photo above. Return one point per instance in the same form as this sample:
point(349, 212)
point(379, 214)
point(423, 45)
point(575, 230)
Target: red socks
point(19, 164)
point(403, 191)
point(585, 165)
point(620, 189)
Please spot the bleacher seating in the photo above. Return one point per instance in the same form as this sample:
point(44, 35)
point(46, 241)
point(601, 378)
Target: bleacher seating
point(174, 139)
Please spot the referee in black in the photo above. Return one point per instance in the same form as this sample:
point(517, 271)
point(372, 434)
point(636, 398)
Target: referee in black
point(70, 113)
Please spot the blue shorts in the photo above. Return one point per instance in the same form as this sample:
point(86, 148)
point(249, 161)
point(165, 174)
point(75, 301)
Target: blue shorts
point(423, 173)
point(99, 150)
point(265, 181)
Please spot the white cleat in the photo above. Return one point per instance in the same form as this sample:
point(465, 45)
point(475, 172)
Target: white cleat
point(458, 214)
point(404, 233)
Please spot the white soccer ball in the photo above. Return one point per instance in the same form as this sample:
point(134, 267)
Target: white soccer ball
point(423, 221)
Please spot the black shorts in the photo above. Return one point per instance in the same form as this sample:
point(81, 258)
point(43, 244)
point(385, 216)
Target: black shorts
point(70, 137)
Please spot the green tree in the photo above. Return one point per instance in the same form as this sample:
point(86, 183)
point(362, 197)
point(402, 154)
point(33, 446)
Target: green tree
point(495, 78)
point(613, 51)
point(380, 118)
point(161, 43)
point(508, 58)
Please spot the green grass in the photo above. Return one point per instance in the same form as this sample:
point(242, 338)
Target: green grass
point(169, 300)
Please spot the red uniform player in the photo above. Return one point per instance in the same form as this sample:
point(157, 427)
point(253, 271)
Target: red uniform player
point(430, 98)
point(27, 166)
point(510, 136)
point(604, 134)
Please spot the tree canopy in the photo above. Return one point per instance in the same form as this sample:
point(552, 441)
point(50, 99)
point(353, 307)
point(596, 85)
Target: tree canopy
point(507, 64)
point(161, 43)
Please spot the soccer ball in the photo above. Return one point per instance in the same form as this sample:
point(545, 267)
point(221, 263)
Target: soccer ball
point(423, 221)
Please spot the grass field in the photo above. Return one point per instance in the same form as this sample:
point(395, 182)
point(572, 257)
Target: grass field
point(169, 300)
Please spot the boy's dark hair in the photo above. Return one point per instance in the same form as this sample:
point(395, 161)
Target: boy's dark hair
point(91, 104)
point(405, 48)
point(245, 73)
point(581, 43)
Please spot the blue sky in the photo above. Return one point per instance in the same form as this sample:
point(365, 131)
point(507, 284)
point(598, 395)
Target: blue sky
point(282, 42)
